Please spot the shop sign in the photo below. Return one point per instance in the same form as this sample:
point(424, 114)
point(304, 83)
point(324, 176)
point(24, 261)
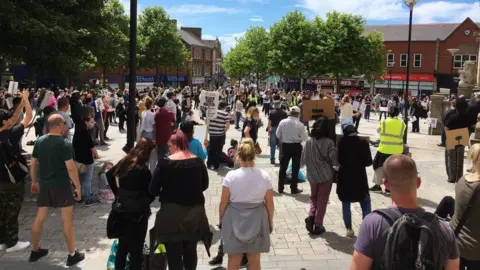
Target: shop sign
point(413, 77)
point(332, 82)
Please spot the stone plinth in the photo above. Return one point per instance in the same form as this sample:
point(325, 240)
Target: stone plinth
point(437, 108)
point(466, 90)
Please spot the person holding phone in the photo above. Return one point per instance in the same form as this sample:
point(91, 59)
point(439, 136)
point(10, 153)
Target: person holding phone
point(53, 155)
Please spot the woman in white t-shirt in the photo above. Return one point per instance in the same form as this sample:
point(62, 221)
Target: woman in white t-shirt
point(147, 129)
point(346, 111)
point(246, 210)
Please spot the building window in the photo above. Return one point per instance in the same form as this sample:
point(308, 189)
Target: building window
point(197, 53)
point(417, 60)
point(403, 60)
point(460, 59)
point(390, 59)
point(208, 69)
point(197, 69)
point(208, 55)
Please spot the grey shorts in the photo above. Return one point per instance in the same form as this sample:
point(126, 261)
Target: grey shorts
point(56, 198)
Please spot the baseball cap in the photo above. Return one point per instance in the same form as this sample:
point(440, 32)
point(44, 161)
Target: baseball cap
point(295, 109)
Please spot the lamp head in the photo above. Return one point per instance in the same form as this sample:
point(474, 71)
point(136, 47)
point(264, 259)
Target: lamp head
point(410, 3)
point(453, 51)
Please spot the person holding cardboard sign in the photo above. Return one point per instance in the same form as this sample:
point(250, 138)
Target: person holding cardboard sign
point(456, 129)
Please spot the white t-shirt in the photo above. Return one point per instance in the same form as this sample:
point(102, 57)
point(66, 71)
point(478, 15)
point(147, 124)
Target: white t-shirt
point(148, 120)
point(247, 185)
point(346, 111)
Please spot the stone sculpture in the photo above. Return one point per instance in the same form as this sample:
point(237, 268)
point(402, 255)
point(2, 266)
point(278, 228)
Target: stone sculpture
point(468, 75)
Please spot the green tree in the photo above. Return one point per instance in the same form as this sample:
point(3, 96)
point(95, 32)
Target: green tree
point(54, 37)
point(159, 42)
point(372, 62)
point(111, 42)
point(291, 46)
point(237, 62)
point(343, 45)
point(257, 40)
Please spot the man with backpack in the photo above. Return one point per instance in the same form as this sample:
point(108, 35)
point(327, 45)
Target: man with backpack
point(404, 236)
point(13, 171)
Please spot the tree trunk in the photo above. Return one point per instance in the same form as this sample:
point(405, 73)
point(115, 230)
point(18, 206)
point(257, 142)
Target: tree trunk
point(104, 75)
point(338, 86)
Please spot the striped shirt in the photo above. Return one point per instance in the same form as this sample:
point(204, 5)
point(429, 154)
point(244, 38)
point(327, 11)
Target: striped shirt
point(217, 126)
point(320, 156)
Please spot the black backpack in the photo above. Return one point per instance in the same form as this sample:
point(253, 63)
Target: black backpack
point(14, 164)
point(413, 241)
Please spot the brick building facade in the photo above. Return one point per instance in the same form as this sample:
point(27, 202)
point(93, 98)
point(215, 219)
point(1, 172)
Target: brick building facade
point(432, 66)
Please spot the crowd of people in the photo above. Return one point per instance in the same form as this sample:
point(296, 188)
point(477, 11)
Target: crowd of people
point(168, 162)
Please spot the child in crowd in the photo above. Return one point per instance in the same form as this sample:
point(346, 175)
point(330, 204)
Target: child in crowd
point(105, 194)
point(232, 152)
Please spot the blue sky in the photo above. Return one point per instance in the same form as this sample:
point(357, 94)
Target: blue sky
point(229, 19)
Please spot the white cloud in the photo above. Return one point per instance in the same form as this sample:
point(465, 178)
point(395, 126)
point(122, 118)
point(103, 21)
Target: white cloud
point(209, 37)
point(202, 9)
point(383, 10)
point(228, 41)
point(252, 1)
point(256, 19)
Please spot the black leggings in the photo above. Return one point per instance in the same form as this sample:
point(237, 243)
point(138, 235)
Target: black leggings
point(132, 243)
point(182, 255)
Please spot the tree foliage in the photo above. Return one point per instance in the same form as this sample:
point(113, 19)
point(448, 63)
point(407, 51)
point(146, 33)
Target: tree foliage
point(291, 46)
point(344, 43)
point(111, 40)
point(50, 36)
point(237, 61)
point(373, 55)
point(159, 42)
point(257, 40)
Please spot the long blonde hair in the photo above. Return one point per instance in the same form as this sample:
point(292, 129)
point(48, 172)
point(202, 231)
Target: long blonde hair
point(251, 111)
point(474, 155)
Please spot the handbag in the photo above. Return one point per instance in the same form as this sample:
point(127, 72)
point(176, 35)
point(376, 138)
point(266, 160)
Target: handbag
point(258, 149)
point(468, 210)
point(81, 168)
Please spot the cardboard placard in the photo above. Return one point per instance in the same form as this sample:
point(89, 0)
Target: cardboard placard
point(316, 108)
point(457, 137)
point(12, 87)
point(432, 122)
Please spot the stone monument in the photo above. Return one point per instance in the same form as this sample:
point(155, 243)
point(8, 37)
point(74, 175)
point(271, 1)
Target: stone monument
point(467, 79)
point(437, 108)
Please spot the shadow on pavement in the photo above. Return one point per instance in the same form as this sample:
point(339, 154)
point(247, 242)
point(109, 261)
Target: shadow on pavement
point(339, 243)
point(35, 266)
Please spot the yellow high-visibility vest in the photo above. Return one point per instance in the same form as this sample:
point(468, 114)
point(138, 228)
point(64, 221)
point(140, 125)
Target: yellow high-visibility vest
point(391, 136)
point(293, 101)
point(250, 99)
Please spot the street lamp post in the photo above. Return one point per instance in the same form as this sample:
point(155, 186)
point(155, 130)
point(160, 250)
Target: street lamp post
point(410, 4)
point(390, 65)
point(131, 132)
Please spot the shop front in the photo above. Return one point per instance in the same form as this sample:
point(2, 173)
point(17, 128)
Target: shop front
point(328, 85)
point(448, 81)
point(198, 80)
point(419, 84)
point(175, 81)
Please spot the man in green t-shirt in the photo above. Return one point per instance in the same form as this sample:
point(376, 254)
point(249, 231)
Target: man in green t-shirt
point(53, 154)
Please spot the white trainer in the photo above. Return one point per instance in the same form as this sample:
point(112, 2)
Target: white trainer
point(3, 246)
point(18, 246)
point(350, 233)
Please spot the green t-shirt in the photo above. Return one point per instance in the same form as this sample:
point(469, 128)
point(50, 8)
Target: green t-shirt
point(51, 153)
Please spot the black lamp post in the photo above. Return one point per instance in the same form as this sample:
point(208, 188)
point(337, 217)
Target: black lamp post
point(390, 65)
point(410, 4)
point(132, 131)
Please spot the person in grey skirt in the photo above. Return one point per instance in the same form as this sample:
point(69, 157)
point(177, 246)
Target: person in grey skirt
point(246, 213)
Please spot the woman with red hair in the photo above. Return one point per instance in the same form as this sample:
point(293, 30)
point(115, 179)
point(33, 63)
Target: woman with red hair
point(181, 222)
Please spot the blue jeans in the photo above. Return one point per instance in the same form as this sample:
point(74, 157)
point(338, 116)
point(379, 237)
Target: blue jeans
point(367, 112)
point(274, 143)
point(86, 182)
point(239, 116)
point(366, 206)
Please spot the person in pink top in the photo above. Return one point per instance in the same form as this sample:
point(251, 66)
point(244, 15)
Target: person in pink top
point(52, 101)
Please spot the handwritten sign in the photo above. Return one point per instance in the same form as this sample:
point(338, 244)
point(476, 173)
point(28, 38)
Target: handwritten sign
point(316, 108)
point(12, 87)
point(457, 137)
point(210, 100)
point(432, 122)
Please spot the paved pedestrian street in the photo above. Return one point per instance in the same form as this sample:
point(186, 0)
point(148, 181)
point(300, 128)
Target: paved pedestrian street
point(292, 247)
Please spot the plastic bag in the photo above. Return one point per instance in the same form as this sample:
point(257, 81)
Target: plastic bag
point(301, 176)
point(113, 255)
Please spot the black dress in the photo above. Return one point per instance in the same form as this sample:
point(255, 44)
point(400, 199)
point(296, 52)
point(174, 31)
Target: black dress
point(354, 156)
